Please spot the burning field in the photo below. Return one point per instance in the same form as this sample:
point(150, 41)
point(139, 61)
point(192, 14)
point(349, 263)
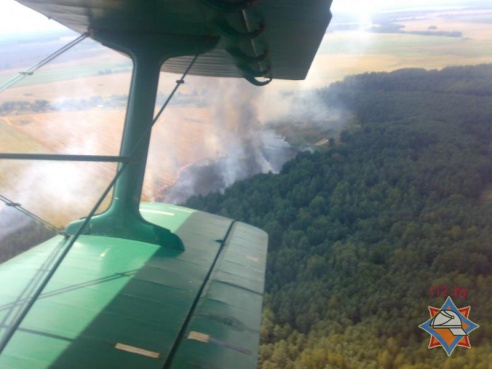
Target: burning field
point(194, 149)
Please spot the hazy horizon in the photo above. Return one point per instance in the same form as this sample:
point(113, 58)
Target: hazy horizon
point(16, 19)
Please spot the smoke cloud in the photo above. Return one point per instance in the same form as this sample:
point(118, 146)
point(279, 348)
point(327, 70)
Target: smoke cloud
point(11, 221)
point(241, 144)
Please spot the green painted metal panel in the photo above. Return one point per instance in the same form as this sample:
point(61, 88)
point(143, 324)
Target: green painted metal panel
point(117, 303)
point(293, 29)
point(224, 330)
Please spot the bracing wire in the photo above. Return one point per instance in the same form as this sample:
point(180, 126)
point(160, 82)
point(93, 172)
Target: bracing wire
point(71, 241)
point(33, 216)
point(30, 71)
point(179, 82)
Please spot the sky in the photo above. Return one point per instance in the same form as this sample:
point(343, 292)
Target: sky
point(16, 19)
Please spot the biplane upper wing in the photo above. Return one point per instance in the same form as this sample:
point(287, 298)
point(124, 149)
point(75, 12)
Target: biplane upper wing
point(264, 38)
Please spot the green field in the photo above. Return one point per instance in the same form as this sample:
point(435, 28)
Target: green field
point(81, 74)
point(343, 52)
point(70, 71)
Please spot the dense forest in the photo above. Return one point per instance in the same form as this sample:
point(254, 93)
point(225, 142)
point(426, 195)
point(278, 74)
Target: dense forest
point(361, 230)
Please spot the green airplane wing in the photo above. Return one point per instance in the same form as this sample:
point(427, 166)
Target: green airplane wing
point(116, 303)
point(125, 295)
point(265, 38)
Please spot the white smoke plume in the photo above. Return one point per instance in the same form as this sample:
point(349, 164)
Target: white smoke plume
point(245, 146)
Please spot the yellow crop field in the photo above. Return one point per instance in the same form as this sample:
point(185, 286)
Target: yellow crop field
point(188, 134)
point(358, 51)
point(62, 191)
